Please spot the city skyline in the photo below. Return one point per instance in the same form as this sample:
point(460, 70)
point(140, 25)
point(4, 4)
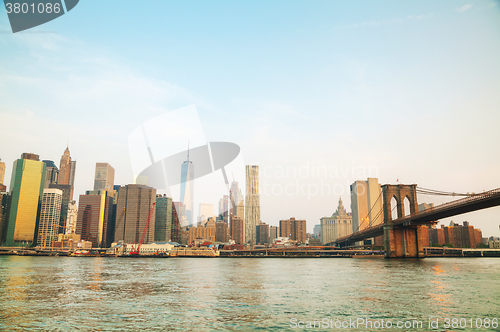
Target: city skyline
point(328, 85)
point(364, 185)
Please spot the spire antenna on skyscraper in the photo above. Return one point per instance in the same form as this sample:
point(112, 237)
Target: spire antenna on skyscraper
point(188, 151)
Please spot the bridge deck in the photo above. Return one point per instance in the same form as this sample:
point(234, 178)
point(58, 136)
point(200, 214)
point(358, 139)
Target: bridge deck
point(471, 203)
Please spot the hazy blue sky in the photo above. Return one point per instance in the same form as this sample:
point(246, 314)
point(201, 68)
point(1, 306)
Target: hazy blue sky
point(391, 89)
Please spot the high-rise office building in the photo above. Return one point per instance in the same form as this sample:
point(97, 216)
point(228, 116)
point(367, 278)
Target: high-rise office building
point(236, 203)
point(26, 188)
point(366, 204)
point(224, 208)
point(338, 225)
point(72, 176)
point(317, 230)
point(48, 226)
point(104, 177)
point(2, 171)
point(180, 210)
point(252, 203)
point(5, 202)
point(51, 173)
point(237, 200)
point(67, 172)
point(187, 189)
point(94, 215)
point(66, 199)
point(132, 211)
point(223, 204)
point(273, 233)
point(71, 218)
point(176, 225)
point(163, 219)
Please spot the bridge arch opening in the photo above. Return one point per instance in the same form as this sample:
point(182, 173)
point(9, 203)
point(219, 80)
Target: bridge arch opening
point(394, 208)
point(406, 206)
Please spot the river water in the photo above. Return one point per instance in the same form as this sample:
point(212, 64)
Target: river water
point(246, 294)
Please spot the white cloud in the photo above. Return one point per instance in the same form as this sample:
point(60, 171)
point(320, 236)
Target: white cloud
point(464, 8)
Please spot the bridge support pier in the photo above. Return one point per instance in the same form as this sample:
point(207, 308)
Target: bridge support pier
point(409, 242)
point(403, 240)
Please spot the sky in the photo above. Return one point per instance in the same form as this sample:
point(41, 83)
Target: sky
point(319, 94)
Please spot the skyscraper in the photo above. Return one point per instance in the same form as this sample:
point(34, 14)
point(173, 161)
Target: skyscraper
point(67, 172)
point(5, 202)
point(72, 176)
point(175, 234)
point(26, 188)
point(48, 226)
point(94, 214)
point(65, 167)
point(224, 207)
point(237, 204)
point(366, 204)
point(51, 173)
point(163, 219)
point(187, 189)
point(132, 211)
point(66, 199)
point(71, 218)
point(252, 203)
point(273, 233)
point(104, 177)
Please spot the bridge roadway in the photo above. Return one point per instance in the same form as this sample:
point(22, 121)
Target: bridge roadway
point(469, 204)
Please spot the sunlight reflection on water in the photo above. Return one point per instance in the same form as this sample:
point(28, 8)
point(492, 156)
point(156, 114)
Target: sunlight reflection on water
point(50, 293)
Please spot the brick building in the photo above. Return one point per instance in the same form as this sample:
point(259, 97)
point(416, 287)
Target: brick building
point(460, 236)
point(293, 229)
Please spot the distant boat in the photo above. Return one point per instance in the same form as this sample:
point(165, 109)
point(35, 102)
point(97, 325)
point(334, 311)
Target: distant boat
point(81, 253)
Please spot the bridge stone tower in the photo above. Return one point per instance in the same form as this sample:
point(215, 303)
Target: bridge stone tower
point(404, 240)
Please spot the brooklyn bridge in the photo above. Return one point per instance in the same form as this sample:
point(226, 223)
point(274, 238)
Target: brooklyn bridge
point(407, 235)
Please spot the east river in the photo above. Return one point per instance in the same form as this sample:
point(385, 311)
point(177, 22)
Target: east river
point(246, 294)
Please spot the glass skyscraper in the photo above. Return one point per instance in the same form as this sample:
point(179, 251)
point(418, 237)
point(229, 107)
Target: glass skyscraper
point(26, 188)
point(163, 220)
point(187, 190)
